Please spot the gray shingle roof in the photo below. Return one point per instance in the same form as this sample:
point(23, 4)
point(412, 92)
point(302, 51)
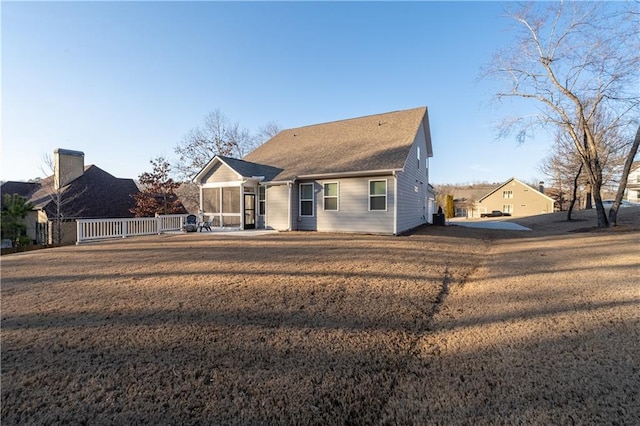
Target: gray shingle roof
point(94, 194)
point(375, 142)
point(249, 169)
point(23, 189)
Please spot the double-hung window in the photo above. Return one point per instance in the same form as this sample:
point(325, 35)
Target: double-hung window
point(306, 199)
point(331, 196)
point(378, 195)
point(507, 194)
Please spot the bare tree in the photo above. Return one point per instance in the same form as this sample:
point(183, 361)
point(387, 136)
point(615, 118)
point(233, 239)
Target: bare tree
point(218, 136)
point(266, 132)
point(580, 62)
point(613, 213)
point(562, 168)
point(563, 165)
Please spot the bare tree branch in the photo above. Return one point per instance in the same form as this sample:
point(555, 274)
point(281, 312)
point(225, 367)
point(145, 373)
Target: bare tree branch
point(580, 62)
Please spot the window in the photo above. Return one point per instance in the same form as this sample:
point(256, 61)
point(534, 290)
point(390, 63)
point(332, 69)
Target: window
point(261, 200)
point(331, 196)
point(377, 195)
point(418, 156)
point(306, 199)
point(507, 194)
point(507, 208)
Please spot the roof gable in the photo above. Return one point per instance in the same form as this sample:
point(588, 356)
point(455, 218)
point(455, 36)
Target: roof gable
point(375, 142)
point(513, 179)
point(249, 169)
point(244, 169)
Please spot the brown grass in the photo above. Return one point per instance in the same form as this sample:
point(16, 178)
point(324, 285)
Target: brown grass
point(449, 325)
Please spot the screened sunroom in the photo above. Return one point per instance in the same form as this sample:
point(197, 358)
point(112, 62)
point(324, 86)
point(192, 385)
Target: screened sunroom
point(230, 206)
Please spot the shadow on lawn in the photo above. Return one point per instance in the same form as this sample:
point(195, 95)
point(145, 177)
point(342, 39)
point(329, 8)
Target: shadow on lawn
point(586, 378)
point(229, 370)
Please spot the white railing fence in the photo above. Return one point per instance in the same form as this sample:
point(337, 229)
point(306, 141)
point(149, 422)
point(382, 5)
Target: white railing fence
point(97, 229)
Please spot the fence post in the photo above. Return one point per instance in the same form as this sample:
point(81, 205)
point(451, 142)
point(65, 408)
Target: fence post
point(158, 224)
point(125, 228)
point(78, 231)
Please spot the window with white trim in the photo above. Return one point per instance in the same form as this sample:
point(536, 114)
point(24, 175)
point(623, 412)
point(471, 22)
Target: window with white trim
point(330, 195)
point(261, 200)
point(418, 156)
point(507, 194)
point(378, 195)
point(306, 199)
point(507, 208)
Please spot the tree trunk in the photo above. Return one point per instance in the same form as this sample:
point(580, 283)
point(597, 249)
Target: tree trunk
point(613, 213)
point(594, 173)
point(603, 221)
point(575, 193)
point(588, 196)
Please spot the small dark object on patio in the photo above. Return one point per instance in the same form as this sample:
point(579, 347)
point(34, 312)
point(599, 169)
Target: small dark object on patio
point(191, 225)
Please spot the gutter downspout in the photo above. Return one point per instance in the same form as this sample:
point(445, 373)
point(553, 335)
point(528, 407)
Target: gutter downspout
point(395, 202)
point(242, 182)
point(290, 186)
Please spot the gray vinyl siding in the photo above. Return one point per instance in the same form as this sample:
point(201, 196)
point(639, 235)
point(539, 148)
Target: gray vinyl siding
point(277, 207)
point(220, 173)
point(353, 213)
point(413, 187)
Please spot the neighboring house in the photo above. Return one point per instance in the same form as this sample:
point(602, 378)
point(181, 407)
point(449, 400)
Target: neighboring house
point(367, 174)
point(515, 198)
point(80, 192)
point(632, 192)
point(465, 199)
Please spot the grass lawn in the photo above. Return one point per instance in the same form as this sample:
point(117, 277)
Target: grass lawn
point(310, 328)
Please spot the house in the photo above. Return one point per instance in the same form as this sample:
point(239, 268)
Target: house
point(516, 198)
point(74, 191)
point(465, 198)
point(368, 174)
point(632, 192)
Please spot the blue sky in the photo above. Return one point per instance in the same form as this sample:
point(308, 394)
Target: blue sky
point(125, 81)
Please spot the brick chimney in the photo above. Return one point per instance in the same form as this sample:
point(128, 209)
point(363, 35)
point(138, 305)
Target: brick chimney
point(67, 166)
point(541, 187)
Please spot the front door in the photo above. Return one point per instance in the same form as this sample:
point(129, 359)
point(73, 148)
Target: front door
point(249, 211)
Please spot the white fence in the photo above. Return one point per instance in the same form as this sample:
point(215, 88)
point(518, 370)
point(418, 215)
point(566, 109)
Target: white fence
point(98, 229)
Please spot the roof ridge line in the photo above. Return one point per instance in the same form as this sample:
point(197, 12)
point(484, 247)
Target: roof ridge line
point(355, 118)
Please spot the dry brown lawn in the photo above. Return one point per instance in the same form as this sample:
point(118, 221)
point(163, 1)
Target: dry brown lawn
point(446, 326)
